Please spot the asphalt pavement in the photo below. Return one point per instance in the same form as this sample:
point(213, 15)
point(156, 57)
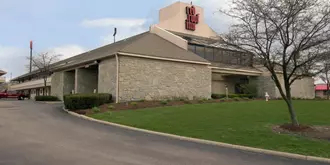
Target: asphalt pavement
point(41, 134)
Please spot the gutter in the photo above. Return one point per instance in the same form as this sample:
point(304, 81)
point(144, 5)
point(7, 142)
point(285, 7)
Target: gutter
point(117, 79)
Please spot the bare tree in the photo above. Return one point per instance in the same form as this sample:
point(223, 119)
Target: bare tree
point(325, 76)
point(287, 36)
point(42, 63)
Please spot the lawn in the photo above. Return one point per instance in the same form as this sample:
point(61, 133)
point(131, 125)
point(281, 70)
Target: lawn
point(241, 123)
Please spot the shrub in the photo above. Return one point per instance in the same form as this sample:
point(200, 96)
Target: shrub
point(245, 98)
point(110, 107)
point(46, 98)
point(164, 102)
point(96, 110)
point(237, 99)
point(141, 101)
point(202, 100)
point(187, 102)
point(85, 101)
point(223, 99)
point(220, 96)
point(318, 98)
point(134, 104)
point(182, 99)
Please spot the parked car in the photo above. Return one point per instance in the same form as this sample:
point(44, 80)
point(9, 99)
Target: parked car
point(13, 94)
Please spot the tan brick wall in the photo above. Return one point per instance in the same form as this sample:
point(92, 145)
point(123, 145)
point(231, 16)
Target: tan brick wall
point(303, 88)
point(141, 78)
point(108, 77)
point(57, 84)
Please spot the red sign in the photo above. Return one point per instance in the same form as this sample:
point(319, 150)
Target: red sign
point(31, 44)
point(192, 18)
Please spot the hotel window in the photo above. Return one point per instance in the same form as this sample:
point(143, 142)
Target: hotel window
point(246, 59)
point(209, 54)
point(192, 48)
point(234, 58)
point(226, 57)
point(200, 51)
point(218, 55)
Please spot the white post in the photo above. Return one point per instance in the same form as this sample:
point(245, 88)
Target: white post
point(267, 96)
point(226, 92)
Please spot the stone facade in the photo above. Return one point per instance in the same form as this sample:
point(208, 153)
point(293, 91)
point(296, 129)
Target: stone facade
point(57, 84)
point(303, 88)
point(69, 81)
point(108, 77)
point(86, 80)
point(141, 78)
point(265, 84)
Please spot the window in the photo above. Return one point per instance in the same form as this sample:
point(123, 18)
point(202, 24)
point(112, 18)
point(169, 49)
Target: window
point(246, 60)
point(209, 54)
point(192, 48)
point(234, 58)
point(200, 51)
point(218, 55)
point(226, 57)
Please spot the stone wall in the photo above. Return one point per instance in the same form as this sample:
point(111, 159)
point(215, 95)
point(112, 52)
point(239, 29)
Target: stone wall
point(57, 84)
point(303, 88)
point(108, 77)
point(69, 82)
point(265, 84)
point(141, 78)
point(87, 80)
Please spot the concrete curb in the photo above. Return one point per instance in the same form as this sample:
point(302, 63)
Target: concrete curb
point(52, 102)
point(243, 148)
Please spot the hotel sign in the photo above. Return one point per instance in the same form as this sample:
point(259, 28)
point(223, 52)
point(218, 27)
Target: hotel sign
point(192, 18)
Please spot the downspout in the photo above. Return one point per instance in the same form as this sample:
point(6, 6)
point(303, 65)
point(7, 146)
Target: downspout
point(117, 79)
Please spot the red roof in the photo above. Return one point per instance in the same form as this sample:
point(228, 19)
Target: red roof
point(321, 87)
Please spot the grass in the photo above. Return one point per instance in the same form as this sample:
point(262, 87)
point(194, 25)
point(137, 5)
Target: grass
point(241, 123)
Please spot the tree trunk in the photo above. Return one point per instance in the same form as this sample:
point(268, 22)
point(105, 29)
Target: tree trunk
point(288, 100)
point(293, 116)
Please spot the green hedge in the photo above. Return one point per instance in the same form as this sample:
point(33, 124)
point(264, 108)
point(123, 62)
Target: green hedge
point(86, 101)
point(220, 96)
point(46, 98)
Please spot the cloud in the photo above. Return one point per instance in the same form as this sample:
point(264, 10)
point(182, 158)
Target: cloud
point(67, 51)
point(14, 60)
point(126, 27)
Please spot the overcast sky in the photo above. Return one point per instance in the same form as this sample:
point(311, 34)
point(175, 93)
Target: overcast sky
point(70, 27)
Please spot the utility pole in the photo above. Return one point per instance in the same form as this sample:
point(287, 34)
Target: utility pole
point(31, 47)
point(114, 35)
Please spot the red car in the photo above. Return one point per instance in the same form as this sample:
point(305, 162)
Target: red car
point(13, 94)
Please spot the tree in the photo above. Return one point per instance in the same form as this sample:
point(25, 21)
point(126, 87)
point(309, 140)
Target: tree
point(287, 36)
point(325, 76)
point(42, 63)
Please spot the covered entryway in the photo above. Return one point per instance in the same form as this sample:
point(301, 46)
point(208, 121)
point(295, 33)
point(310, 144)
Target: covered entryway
point(87, 79)
point(234, 80)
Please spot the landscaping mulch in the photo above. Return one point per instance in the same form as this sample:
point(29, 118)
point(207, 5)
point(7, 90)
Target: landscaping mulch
point(314, 132)
point(138, 105)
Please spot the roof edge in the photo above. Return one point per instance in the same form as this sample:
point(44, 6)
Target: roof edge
point(162, 58)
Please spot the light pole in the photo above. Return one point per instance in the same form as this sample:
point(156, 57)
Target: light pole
point(31, 47)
